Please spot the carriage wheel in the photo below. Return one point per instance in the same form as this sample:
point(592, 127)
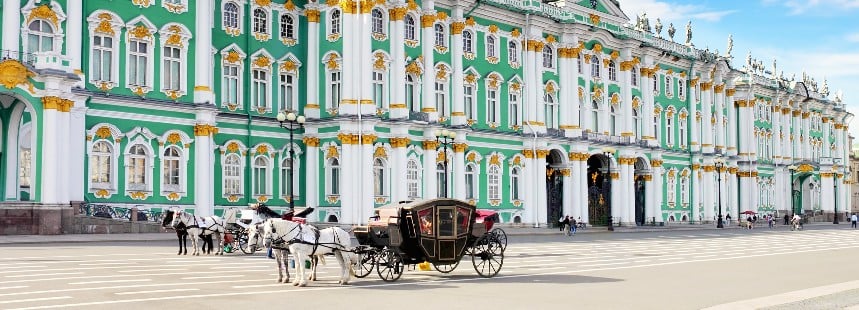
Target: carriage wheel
point(242, 240)
point(487, 255)
point(389, 265)
point(501, 236)
point(366, 262)
point(446, 268)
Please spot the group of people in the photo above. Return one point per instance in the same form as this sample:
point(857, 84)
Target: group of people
point(569, 225)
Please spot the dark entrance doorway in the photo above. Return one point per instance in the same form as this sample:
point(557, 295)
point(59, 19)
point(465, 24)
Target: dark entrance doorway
point(554, 188)
point(597, 190)
point(641, 176)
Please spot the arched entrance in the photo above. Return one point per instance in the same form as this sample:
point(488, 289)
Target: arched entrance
point(18, 154)
point(642, 174)
point(554, 187)
point(598, 190)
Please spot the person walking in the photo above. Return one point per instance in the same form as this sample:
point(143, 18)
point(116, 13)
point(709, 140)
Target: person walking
point(853, 219)
point(573, 226)
point(786, 218)
point(561, 224)
point(770, 220)
point(728, 219)
point(565, 225)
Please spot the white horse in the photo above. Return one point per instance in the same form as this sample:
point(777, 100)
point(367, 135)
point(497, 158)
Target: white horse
point(305, 241)
point(197, 226)
point(281, 255)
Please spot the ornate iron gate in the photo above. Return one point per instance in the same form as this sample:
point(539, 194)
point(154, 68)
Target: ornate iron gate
point(554, 195)
point(597, 201)
point(639, 201)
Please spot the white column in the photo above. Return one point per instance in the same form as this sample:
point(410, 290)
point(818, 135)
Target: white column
point(709, 182)
point(692, 122)
point(582, 178)
point(572, 92)
point(367, 195)
point(77, 150)
point(706, 114)
point(806, 141)
point(732, 120)
point(658, 186)
point(311, 109)
point(568, 198)
point(776, 127)
point(430, 154)
point(398, 107)
point(565, 67)
point(204, 166)
point(428, 51)
point(626, 123)
point(74, 31)
point(827, 202)
point(826, 134)
point(540, 179)
point(720, 126)
point(587, 115)
point(351, 71)
point(203, 70)
point(796, 130)
point(650, 197)
point(629, 193)
point(697, 198)
point(366, 105)
point(347, 175)
point(50, 170)
point(575, 180)
point(458, 110)
point(12, 25)
point(533, 86)
point(311, 172)
point(616, 191)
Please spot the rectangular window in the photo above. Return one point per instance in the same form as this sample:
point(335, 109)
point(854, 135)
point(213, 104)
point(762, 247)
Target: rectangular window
point(260, 180)
point(468, 93)
point(491, 105)
point(514, 109)
point(378, 89)
point(669, 131)
point(102, 58)
point(171, 172)
point(172, 61)
point(259, 89)
point(287, 92)
point(231, 85)
point(137, 63)
point(334, 90)
point(441, 98)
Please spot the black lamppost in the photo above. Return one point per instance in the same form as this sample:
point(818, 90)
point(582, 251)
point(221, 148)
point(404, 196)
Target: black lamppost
point(792, 169)
point(291, 122)
point(719, 163)
point(608, 152)
point(444, 137)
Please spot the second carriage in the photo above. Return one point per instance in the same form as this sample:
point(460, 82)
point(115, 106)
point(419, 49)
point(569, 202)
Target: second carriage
point(440, 232)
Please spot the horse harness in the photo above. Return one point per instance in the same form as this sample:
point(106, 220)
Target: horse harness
point(197, 225)
point(297, 239)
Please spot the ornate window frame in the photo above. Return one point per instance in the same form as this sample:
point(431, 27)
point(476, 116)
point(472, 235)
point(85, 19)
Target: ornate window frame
point(110, 135)
point(492, 48)
point(514, 107)
point(288, 66)
point(55, 18)
point(385, 178)
point(283, 174)
point(239, 26)
point(284, 24)
point(175, 35)
point(334, 25)
point(475, 181)
point(411, 24)
point(264, 152)
point(493, 83)
point(261, 62)
point(551, 104)
point(669, 85)
point(468, 42)
point(232, 56)
point(494, 171)
point(333, 64)
point(440, 38)
point(548, 54)
point(612, 70)
point(417, 172)
point(107, 25)
point(380, 34)
point(233, 149)
point(332, 161)
point(261, 26)
point(513, 53)
point(181, 141)
point(143, 138)
point(141, 30)
point(175, 6)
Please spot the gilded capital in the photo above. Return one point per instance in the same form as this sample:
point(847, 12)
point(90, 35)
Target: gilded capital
point(705, 86)
point(206, 130)
point(456, 28)
point(542, 153)
point(57, 103)
point(730, 92)
point(528, 153)
point(399, 142)
point(311, 141)
point(312, 15)
point(656, 163)
point(430, 144)
point(427, 20)
point(460, 147)
point(719, 88)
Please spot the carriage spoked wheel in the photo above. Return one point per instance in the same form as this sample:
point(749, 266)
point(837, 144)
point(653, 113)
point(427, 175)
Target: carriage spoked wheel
point(366, 262)
point(244, 245)
point(389, 265)
point(487, 255)
point(446, 268)
point(501, 236)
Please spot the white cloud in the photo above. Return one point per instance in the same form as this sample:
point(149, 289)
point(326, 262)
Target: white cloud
point(802, 6)
point(853, 37)
point(672, 12)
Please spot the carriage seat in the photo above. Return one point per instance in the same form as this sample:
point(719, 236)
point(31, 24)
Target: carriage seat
point(385, 217)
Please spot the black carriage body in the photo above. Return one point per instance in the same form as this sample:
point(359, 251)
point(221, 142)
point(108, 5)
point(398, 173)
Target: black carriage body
point(435, 231)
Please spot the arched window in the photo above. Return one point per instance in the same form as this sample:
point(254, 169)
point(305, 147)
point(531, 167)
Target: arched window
point(260, 176)
point(171, 170)
point(335, 22)
point(467, 42)
point(102, 58)
point(656, 84)
point(287, 27)
point(286, 182)
point(231, 15)
point(441, 189)
point(548, 57)
point(668, 87)
point(513, 51)
point(595, 66)
point(470, 184)
point(439, 35)
point(378, 177)
point(681, 89)
point(413, 179)
point(333, 176)
point(490, 46)
point(672, 188)
point(232, 175)
point(493, 180)
point(514, 184)
point(551, 110)
point(684, 189)
point(100, 164)
point(40, 38)
point(410, 28)
point(378, 18)
point(260, 21)
point(612, 70)
point(410, 93)
point(287, 91)
point(137, 167)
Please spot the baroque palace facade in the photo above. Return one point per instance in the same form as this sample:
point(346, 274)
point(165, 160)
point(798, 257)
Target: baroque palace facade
point(558, 109)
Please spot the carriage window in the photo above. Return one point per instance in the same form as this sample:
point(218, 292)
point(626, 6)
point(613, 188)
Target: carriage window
point(462, 219)
point(446, 225)
point(425, 216)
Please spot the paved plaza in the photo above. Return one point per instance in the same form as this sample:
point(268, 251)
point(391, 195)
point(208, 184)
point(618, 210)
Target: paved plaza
point(671, 269)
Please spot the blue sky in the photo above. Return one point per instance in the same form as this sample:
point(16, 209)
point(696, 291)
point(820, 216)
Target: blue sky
point(819, 36)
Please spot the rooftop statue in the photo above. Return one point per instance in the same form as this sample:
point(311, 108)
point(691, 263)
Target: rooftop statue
point(730, 45)
point(689, 33)
point(671, 31)
point(658, 28)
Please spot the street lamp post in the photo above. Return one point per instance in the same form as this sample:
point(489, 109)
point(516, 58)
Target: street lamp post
point(792, 169)
point(608, 151)
point(292, 123)
point(719, 163)
point(444, 137)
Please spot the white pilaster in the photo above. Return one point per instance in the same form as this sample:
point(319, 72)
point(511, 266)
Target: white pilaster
point(428, 51)
point(706, 115)
point(311, 172)
point(367, 202)
point(574, 199)
point(458, 109)
point(626, 123)
point(203, 68)
point(567, 200)
point(311, 109)
point(398, 107)
point(430, 153)
point(77, 151)
point(458, 173)
point(74, 32)
point(204, 163)
point(709, 182)
point(12, 25)
point(540, 179)
point(583, 188)
point(692, 122)
point(719, 107)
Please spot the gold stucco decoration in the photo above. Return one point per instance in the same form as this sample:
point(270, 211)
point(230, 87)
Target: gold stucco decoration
point(379, 62)
point(103, 132)
point(595, 19)
point(288, 66)
point(140, 32)
point(44, 12)
point(233, 57)
point(233, 147)
point(262, 2)
point(13, 73)
point(174, 138)
point(380, 152)
point(262, 61)
point(262, 149)
point(289, 5)
point(332, 152)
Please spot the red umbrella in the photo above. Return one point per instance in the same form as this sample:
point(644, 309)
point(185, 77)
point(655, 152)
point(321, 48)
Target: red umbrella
point(750, 212)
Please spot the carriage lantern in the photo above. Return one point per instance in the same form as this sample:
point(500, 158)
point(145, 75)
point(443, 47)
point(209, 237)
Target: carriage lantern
point(292, 123)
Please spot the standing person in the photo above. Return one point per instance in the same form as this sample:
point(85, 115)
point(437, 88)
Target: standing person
point(573, 224)
point(579, 222)
point(770, 220)
point(565, 225)
point(853, 219)
point(786, 218)
point(749, 222)
point(728, 219)
point(561, 224)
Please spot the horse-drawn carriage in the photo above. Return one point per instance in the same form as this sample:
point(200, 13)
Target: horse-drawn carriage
point(438, 231)
point(238, 221)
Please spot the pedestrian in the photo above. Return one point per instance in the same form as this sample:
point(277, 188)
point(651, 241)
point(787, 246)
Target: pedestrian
point(573, 224)
point(853, 219)
point(561, 224)
point(728, 219)
point(786, 218)
point(579, 222)
point(565, 224)
point(749, 222)
point(770, 220)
